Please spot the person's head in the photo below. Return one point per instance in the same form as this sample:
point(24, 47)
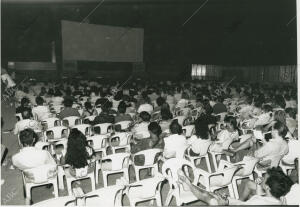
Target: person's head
point(154, 129)
point(28, 137)
point(279, 101)
point(185, 96)
point(25, 102)
point(290, 112)
point(122, 107)
point(276, 182)
point(166, 114)
point(160, 101)
point(76, 155)
point(68, 102)
point(231, 123)
point(280, 116)
point(145, 116)
point(88, 105)
point(175, 127)
point(279, 130)
point(118, 95)
point(57, 92)
point(201, 128)
point(39, 101)
point(26, 114)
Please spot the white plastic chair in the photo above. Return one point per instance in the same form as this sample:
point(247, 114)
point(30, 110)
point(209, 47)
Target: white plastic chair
point(216, 156)
point(123, 139)
point(89, 118)
point(222, 178)
point(86, 129)
point(147, 189)
point(105, 128)
point(124, 124)
point(197, 159)
point(286, 168)
point(149, 156)
point(188, 130)
point(19, 117)
point(40, 177)
point(169, 170)
point(81, 174)
point(180, 119)
point(119, 164)
point(72, 121)
point(58, 132)
point(99, 143)
point(51, 122)
point(246, 171)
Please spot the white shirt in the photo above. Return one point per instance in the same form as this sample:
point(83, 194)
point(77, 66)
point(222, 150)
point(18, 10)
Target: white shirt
point(292, 197)
point(294, 146)
point(31, 157)
point(199, 146)
point(263, 119)
point(182, 103)
point(141, 129)
point(225, 138)
point(57, 100)
point(26, 123)
point(41, 112)
point(175, 143)
point(145, 107)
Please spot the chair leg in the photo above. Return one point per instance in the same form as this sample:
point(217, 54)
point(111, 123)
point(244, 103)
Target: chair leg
point(60, 176)
point(28, 192)
point(69, 187)
point(55, 188)
point(158, 199)
point(169, 198)
point(105, 179)
point(235, 188)
point(215, 162)
point(137, 174)
point(231, 191)
point(208, 163)
point(93, 182)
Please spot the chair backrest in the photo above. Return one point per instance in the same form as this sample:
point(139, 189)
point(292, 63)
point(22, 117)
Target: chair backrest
point(86, 129)
point(103, 128)
point(98, 141)
point(58, 132)
point(228, 174)
point(149, 155)
point(19, 117)
point(180, 119)
point(188, 130)
point(247, 167)
point(122, 137)
point(170, 169)
point(124, 124)
point(51, 122)
point(40, 174)
point(118, 160)
point(71, 121)
point(64, 143)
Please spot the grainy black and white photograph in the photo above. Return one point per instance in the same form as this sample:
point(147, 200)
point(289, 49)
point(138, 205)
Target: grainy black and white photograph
point(149, 102)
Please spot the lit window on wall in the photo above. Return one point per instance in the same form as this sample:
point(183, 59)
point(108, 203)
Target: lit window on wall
point(198, 71)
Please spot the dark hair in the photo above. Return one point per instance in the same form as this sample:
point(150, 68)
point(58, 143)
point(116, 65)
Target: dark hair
point(202, 130)
point(291, 112)
point(145, 116)
point(24, 101)
point(160, 101)
point(57, 92)
point(281, 128)
point(39, 100)
point(77, 154)
point(88, 105)
point(279, 100)
point(122, 107)
point(68, 102)
point(155, 128)
point(231, 120)
point(267, 108)
point(118, 96)
point(175, 127)
point(166, 114)
point(28, 137)
point(279, 183)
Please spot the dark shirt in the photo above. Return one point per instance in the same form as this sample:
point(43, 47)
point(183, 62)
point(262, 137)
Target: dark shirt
point(104, 117)
point(219, 108)
point(123, 117)
point(66, 112)
point(20, 109)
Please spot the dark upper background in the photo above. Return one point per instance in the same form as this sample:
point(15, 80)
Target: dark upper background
point(222, 32)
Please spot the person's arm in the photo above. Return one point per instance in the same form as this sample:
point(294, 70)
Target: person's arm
point(264, 151)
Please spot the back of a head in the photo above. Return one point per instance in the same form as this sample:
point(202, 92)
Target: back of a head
point(166, 114)
point(280, 116)
point(24, 101)
point(201, 128)
point(88, 105)
point(39, 101)
point(175, 127)
point(145, 116)
point(281, 128)
point(291, 112)
point(155, 128)
point(160, 101)
point(122, 107)
point(232, 121)
point(68, 102)
point(28, 137)
point(279, 183)
point(26, 114)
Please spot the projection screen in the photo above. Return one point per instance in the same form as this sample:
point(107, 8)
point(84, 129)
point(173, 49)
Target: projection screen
point(90, 42)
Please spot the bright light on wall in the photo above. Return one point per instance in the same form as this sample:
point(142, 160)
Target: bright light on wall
point(198, 71)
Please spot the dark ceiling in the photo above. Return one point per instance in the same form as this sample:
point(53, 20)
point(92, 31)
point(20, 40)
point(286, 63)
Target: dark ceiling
point(227, 32)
